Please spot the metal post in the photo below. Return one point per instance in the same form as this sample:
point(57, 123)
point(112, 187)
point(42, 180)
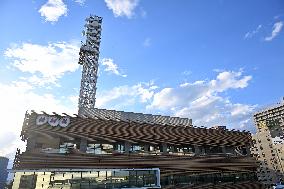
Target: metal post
point(127, 147)
point(83, 145)
point(164, 148)
point(197, 150)
point(223, 149)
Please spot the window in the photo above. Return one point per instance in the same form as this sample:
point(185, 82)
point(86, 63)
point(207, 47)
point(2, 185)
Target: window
point(66, 147)
point(100, 149)
point(155, 149)
point(108, 179)
point(28, 181)
point(136, 148)
point(120, 148)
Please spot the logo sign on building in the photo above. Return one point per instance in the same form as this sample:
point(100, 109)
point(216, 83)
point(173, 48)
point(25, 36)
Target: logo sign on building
point(53, 121)
point(41, 119)
point(64, 121)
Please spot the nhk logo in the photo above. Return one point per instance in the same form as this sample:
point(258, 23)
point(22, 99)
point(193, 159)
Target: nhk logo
point(53, 121)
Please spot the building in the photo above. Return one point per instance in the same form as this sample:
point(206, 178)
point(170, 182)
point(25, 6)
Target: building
point(86, 152)
point(3, 171)
point(268, 143)
point(101, 148)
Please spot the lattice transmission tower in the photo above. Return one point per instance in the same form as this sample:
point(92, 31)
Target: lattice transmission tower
point(89, 56)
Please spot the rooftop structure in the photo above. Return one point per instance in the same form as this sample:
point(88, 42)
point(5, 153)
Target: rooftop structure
point(269, 143)
point(134, 117)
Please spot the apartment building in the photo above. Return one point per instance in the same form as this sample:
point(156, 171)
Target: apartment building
point(268, 143)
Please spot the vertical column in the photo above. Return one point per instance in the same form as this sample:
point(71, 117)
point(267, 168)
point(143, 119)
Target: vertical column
point(164, 148)
point(248, 150)
point(158, 178)
point(83, 145)
point(146, 147)
point(197, 150)
point(223, 149)
point(127, 147)
point(30, 144)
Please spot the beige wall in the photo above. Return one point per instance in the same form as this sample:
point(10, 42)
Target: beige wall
point(42, 179)
point(269, 154)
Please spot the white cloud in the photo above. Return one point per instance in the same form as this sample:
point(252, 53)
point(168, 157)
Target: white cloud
point(43, 65)
point(204, 101)
point(276, 29)
point(46, 63)
point(123, 96)
point(252, 33)
point(143, 13)
point(229, 80)
point(187, 72)
point(81, 2)
point(40, 81)
point(188, 92)
point(111, 67)
point(52, 10)
point(147, 42)
point(216, 110)
point(122, 7)
point(15, 99)
point(241, 109)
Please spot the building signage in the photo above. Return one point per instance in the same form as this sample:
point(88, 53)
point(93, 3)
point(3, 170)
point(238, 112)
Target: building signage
point(41, 119)
point(64, 121)
point(53, 121)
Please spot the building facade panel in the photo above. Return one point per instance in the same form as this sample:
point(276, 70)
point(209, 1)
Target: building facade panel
point(268, 144)
point(188, 155)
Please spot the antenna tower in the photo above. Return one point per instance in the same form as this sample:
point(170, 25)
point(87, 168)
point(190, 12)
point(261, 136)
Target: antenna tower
point(89, 56)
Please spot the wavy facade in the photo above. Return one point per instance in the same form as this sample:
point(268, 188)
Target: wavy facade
point(182, 154)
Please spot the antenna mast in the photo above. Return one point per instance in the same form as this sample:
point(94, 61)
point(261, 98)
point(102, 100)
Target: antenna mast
point(89, 56)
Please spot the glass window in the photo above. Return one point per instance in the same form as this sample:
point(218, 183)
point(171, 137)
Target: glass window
point(155, 149)
point(136, 148)
point(100, 149)
point(66, 147)
point(28, 181)
point(90, 179)
point(120, 148)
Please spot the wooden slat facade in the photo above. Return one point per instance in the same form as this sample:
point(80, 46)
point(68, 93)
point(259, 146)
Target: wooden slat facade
point(118, 131)
point(112, 131)
point(169, 164)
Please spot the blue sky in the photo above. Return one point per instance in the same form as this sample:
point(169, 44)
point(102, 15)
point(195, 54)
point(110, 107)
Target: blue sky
point(214, 61)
